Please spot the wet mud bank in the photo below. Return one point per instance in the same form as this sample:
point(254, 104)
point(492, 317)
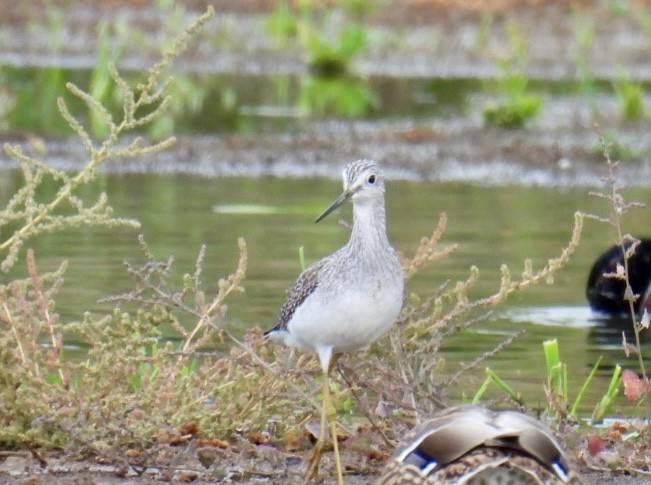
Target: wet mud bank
point(431, 151)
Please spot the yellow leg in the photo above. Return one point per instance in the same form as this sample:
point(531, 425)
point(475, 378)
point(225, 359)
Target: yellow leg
point(313, 466)
point(328, 412)
point(331, 413)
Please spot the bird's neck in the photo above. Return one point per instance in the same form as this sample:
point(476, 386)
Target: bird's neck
point(369, 225)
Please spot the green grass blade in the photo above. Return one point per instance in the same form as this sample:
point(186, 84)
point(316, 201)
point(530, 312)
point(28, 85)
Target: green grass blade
point(584, 387)
point(601, 409)
point(481, 391)
point(503, 385)
point(554, 367)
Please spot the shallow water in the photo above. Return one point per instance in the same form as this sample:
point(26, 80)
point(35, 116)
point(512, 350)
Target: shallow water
point(492, 225)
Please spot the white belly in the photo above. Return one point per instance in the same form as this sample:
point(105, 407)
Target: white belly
point(344, 321)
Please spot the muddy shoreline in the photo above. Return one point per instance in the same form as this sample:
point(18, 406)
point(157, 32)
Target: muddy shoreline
point(184, 467)
point(426, 151)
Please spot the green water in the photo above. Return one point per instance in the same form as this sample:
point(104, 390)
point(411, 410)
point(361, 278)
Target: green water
point(492, 226)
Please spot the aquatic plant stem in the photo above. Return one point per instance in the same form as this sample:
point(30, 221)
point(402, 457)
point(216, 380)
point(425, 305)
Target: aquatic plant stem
point(620, 207)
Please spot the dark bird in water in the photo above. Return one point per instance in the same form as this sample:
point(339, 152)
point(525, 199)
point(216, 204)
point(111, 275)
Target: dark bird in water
point(606, 293)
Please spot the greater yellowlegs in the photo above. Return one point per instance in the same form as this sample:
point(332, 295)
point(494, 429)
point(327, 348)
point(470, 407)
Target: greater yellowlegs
point(473, 445)
point(346, 300)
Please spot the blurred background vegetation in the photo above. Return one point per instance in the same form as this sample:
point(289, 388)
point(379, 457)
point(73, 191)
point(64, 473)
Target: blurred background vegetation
point(272, 64)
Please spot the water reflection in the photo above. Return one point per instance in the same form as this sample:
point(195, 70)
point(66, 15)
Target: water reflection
point(346, 96)
point(604, 331)
point(609, 332)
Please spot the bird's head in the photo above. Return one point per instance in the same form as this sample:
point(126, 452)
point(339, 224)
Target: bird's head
point(363, 180)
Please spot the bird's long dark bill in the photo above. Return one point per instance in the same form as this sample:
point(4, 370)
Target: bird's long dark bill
point(338, 201)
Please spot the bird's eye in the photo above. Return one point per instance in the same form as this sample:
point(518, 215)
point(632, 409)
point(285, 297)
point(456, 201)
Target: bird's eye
point(371, 179)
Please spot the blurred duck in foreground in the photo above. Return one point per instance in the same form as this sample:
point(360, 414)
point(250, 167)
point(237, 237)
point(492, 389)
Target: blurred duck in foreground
point(474, 445)
point(606, 294)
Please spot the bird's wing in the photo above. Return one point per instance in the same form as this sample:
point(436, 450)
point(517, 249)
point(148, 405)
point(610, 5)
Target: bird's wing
point(306, 283)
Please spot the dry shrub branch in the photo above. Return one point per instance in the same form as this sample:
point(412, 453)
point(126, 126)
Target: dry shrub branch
point(140, 106)
point(133, 388)
point(628, 243)
point(405, 372)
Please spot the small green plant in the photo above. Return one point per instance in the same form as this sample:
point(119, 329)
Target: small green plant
point(642, 17)
point(557, 381)
point(493, 378)
point(630, 95)
point(328, 57)
point(518, 104)
point(7, 102)
point(619, 7)
point(360, 8)
point(282, 24)
point(620, 147)
point(607, 400)
point(25, 114)
point(518, 107)
point(557, 386)
point(330, 39)
point(342, 398)
point(328, 36)
point(344, 96)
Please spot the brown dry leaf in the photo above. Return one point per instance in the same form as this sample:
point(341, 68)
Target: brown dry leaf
point(133, 453)
point(187, 477)
point(167, 438)
point(212, 443)
point(292, 441)
point(258, 438)
point(189, 428)
point(617, 430)
point(379, 455)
